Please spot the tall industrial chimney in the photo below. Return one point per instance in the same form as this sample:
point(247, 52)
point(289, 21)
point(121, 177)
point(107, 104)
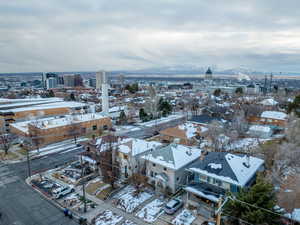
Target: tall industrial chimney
point(104, 88)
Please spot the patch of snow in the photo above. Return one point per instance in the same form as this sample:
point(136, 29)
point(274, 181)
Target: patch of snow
point(184, 218)
point(108, 218)
point(215, 166)
point(128, 200)
point(296, 215)
point(151, 211)
point(274, 115)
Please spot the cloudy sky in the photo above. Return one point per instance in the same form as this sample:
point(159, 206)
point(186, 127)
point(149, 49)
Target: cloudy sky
point(88, 35)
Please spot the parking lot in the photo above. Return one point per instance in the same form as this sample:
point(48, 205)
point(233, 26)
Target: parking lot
point(127, 205)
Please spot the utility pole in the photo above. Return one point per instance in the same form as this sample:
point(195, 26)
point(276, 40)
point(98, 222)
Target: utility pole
point(83, 185)
point(219, 210)
point(28, 163)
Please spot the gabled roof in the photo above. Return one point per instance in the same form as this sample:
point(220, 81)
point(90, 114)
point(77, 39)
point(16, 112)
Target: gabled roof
point(136, 146)
point(173, 156)
point(184, 131)
point(234, 169)
point(274, 115)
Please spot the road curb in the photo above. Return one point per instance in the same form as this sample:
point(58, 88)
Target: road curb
point(50, 200)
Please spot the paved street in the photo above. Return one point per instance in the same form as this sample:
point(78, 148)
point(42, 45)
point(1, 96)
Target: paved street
point(21, 205)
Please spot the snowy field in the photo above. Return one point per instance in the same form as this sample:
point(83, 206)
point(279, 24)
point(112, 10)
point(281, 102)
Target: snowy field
point(128, 200)
point(108, 218)
point(151, 211)
point(184, 218)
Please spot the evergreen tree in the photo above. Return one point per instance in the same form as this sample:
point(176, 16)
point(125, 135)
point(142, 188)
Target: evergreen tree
point(259, 197)
point(51, 94)
point(295, 106)
point(239, 91)
point(72, 97)
point(143, 115)
point(122, 118)
point(217, 92)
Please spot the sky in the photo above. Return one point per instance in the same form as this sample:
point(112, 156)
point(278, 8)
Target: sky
point(90, 35)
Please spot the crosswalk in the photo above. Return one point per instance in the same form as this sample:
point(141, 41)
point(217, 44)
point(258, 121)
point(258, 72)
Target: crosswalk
point(6, 176)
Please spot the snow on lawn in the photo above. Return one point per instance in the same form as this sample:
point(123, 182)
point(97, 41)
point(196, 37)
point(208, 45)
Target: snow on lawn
point(128, 222)
point(245, 143)
point(108, 218)
point(184, 218)
point(128, 200)
point(151, 211)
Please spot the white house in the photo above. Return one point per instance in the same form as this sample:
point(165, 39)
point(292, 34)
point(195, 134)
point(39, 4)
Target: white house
point(130, 151)
point(166, 166)
point(260, 131)
point(217, 173)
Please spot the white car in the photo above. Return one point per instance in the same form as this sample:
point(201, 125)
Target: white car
point(62, 191)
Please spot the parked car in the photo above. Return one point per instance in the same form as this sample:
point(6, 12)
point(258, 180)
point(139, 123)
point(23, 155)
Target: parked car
point(172, 206)
point(62, 191)
point(208, 223)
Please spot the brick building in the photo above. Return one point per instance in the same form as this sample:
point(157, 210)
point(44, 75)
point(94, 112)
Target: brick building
point(50, 130)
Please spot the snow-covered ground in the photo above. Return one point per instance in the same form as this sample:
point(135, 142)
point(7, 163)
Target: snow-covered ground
point(245, 143)
point(65, 146)
point(128, 200)
point(151, 211)
point(184, 218)
point(108, 218)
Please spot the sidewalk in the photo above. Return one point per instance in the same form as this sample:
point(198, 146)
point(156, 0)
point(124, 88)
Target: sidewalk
point(105, 205)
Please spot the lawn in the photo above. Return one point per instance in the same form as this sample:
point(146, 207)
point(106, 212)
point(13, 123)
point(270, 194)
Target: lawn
point(93, 185)
point(104, 193)
point(151, 211)
point(8, 156)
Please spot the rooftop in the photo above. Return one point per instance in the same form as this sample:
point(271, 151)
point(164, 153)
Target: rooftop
point(173, 156)
point(235, 169)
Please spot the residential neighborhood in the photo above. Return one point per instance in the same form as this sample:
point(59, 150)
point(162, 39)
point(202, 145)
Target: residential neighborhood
point(141, 112)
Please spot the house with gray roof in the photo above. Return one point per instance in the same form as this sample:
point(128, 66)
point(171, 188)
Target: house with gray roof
point(166, 166)
point(216, 173)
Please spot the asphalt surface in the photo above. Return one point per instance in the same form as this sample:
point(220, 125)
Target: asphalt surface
point(20, 204)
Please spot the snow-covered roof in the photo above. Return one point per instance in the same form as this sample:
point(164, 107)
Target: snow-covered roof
point(260, 128)
point(52, 122)
point(274, 115)
point(7, 100)
point(173, 156)
point(29, 103)
point(136, 146)
point(234, 169)
point(55, 105)
point(269, 102)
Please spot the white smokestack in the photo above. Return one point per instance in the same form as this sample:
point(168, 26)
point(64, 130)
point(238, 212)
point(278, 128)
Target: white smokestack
point(104, 86)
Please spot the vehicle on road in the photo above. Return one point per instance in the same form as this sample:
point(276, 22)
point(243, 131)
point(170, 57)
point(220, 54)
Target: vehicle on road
point(62, 191)
point(172, 206)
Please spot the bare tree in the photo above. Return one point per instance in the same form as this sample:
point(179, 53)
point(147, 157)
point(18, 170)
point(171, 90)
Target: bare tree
point(239, 123)
point(215, 133)
point(5, 140)
point(107, 159)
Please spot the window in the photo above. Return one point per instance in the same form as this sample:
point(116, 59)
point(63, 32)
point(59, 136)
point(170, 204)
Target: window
point(177, 178)
point(165, 169)
point(105, 127)
point(95, 127)
point(151, 173)
point(153, 164)
point(203, 178)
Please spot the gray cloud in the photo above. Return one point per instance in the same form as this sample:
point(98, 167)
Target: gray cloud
point(120, 34)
